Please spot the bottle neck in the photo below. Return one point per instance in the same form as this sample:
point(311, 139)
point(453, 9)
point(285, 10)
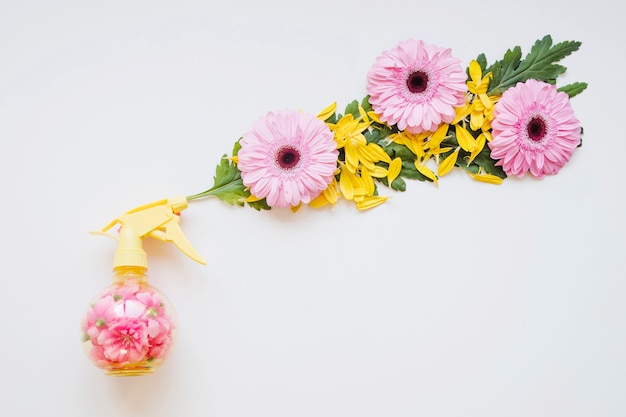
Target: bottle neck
point(123, 274)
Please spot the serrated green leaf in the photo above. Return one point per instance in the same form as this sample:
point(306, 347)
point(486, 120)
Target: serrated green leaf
point(228, 185)
point(501, 69)
point(225, 173)
point(573, 89)
point(540, 64)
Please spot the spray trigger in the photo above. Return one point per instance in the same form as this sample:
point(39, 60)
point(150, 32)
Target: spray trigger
point(159, 220)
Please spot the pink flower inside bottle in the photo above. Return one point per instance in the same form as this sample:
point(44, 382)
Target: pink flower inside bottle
point(130, 327)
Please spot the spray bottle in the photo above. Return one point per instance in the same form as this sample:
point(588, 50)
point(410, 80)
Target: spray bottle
point(130, 327)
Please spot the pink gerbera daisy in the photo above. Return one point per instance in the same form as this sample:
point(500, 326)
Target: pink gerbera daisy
point(534, 128)
point(287, 158)
point(416, 86)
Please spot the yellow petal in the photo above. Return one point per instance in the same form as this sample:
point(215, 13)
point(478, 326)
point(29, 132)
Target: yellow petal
point(352, 158)
point(330, 193)
point(439, 135)
point(464, 138)
point(374, 117)
point(363, 114)
point(475, 72)
point(401, 139)
point(461, 113)
point(394, 170)
point(425, 171)
point(368, 183)
point(476, 120)
point(319, 201)
point(327, 112)
point(253, 199)
point(345, 185)
point(485, 100)
point(296, 208)
point(480, 144)
point(447, 164)
point(379, 172)
point(488, 178)
point(417, 146)
point(438, 151)
point(381, 155)
point(370, 202)
point(356, 183)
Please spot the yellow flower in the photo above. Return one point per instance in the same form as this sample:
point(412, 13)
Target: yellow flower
point(478, 84)
point(480, 104)
point(354, 179)
point(424, 146)
point(361, 164)
point(479, 109)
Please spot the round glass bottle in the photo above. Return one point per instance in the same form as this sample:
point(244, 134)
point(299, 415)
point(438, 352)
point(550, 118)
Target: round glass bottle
point(129, 329)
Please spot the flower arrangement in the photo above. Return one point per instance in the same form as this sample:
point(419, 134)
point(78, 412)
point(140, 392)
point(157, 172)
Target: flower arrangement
point(423, 115)
point(128, 330)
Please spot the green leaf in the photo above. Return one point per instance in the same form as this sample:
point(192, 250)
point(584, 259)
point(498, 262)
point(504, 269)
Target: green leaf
point(259, 205)
point(410, 172)
point(540, 64)
point(483, 160)
point(377, 134)
point(573, 89)
point(501, 69)
point(402, 152)
point(353, 108)
point(482, 61)
point(236, 147)
point(365, 103)
point(398, 184)
point(228, 185)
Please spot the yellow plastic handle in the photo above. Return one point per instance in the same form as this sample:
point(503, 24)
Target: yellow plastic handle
point(159, 220)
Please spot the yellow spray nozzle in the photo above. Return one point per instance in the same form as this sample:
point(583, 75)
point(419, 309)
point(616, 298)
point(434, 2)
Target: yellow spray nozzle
point(159, 220)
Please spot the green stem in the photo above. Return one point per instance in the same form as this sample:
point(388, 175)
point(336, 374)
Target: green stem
point(233, 185)
point(203, 194)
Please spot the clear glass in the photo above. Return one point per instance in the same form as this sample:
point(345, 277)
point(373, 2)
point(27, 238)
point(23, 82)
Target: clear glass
point(130, 327)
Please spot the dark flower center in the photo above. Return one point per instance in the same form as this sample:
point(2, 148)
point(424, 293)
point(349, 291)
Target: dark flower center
point(417, 82)
point(536, 129)
point(287, 157)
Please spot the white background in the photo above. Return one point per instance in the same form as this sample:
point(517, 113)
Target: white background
point(463, 300)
